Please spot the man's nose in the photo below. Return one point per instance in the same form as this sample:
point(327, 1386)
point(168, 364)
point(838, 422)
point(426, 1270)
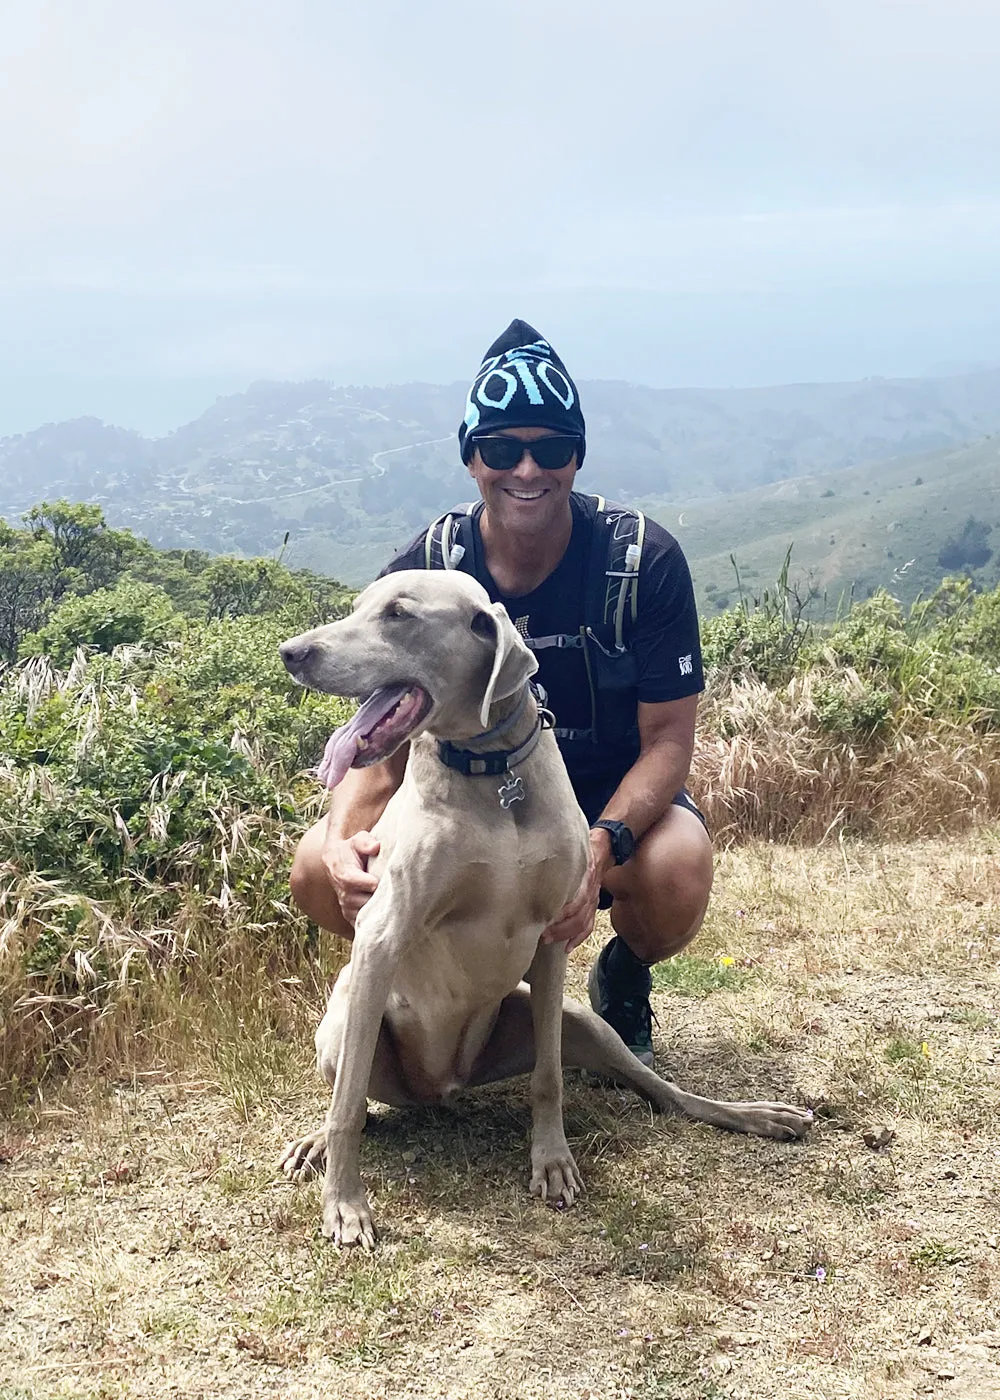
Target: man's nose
point(527, 466)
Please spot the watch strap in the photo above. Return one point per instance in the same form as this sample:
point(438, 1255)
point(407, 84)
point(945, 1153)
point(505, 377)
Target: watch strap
point(622, 840)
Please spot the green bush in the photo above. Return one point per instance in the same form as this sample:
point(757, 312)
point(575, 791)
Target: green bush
point(762, 638)
point(103, 620)
point(852, 712)
point(871, 639)
point(875, 664)
point(121, 769)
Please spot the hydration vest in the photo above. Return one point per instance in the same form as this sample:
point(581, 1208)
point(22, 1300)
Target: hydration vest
point(611, 606)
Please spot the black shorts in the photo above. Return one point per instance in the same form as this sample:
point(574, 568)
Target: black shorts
point(593, 796)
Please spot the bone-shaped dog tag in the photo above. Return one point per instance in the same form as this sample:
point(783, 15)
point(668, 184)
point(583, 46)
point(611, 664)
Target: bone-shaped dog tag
point(512, 791)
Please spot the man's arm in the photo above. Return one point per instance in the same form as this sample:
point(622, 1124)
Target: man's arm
point(357, 803)
point(361, 797)
point(666, 736)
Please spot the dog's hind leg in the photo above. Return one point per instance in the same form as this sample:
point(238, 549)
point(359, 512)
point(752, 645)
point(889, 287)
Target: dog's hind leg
point(590, 1043)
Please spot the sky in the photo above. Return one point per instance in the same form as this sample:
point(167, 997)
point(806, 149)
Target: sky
point(196, 194)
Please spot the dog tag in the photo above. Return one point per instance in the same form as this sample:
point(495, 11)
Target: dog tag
point(512, 791)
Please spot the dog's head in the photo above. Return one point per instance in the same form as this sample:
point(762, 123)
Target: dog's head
point(428, 647)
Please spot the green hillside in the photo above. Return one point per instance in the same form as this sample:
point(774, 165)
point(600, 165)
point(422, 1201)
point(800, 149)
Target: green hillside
point(887, 525)
point(350, 473)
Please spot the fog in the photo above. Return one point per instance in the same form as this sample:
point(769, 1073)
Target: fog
point(196, 195)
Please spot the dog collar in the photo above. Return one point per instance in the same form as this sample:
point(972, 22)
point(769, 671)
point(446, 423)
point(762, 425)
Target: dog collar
point(495, 763)
point(490, 764)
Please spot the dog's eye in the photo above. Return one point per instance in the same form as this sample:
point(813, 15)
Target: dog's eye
point(393, 610)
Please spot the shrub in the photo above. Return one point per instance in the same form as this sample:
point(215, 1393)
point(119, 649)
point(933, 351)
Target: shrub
point(969, 549)
point(100, 621)
point(871, 639)
point(852, 710)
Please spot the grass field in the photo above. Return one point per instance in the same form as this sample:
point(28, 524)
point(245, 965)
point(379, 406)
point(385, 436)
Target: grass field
point(149, 1249)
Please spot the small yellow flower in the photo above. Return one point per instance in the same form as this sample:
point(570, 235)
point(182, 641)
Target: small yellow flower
point(925, 1049)
point(726, 960)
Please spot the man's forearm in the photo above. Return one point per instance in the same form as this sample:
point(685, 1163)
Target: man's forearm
point(649, 786)
point(361, 797)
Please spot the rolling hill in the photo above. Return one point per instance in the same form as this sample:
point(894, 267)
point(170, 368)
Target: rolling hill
point(350, 473)
point(886, 524)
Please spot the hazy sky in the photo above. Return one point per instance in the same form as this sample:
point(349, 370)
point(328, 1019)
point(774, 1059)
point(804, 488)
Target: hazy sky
point(198, 193)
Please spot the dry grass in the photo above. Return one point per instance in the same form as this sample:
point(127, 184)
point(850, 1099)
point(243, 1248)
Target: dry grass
point(123, 995)
point(149, 1249)
point(108, 984)
point(765, 769)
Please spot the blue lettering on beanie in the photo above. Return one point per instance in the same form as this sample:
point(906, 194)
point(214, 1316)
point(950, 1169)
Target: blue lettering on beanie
point(521, 383)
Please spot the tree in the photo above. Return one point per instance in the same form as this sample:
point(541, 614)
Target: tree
point(27, 575)
point(103, 620)
point(86, 553)
point(239, 586)
point(969, 549)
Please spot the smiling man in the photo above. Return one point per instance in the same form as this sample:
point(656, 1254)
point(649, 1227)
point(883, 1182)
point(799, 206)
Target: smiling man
point(622, 681)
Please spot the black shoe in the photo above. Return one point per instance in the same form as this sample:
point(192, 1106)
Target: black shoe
point(620, 996)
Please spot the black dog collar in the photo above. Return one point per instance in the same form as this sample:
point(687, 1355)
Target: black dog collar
point(490, 764)
point(493, 763)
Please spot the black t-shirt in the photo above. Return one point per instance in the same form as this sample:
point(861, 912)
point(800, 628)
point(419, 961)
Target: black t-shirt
point(664, 640)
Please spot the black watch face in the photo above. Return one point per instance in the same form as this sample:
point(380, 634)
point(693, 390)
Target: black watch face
point(622, 840)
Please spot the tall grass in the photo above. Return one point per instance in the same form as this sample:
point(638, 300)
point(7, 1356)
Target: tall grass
point(885, 723)
point(767, 767)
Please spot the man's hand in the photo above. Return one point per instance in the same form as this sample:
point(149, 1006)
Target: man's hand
point(346, 863)
point(575, 921)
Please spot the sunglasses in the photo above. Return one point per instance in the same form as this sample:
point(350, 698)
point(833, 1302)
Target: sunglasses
point(502, 454)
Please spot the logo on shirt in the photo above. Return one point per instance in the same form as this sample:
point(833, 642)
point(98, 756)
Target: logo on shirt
point(521, 623)
point(686, 665)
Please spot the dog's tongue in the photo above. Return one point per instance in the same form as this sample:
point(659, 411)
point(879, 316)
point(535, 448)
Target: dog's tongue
point(342, 745)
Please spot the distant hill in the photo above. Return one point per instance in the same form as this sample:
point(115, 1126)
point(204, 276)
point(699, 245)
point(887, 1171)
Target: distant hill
point(350, 473)
point(900, 524)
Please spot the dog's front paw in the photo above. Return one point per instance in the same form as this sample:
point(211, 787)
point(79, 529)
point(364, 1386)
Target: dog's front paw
point(555, 1176)
point(347, 1220)
point(305, 1158)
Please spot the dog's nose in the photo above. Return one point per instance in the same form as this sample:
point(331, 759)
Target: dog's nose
point(295, 654)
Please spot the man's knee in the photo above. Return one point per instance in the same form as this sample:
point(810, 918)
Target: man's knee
point(683, 867)
point(310, 885)
point(660, 901)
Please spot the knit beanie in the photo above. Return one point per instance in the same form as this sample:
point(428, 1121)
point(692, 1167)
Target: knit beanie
point(522, 383)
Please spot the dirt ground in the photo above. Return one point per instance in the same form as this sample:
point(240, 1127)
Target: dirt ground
point(147, 1247)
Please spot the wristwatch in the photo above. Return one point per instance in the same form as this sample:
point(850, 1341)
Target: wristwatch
point(622, 840)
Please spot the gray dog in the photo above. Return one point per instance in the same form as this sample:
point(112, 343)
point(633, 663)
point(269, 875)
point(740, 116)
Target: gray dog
point(480, 848)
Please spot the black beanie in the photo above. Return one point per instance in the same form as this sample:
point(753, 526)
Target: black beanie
point(522, 383)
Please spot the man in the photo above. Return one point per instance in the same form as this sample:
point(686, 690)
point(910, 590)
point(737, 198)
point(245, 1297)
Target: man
point(523, 440)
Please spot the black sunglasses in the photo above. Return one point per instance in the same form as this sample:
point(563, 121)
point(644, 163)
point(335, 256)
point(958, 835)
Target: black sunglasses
point(502, 454)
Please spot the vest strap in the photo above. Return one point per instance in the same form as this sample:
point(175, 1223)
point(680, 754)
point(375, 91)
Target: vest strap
point(557, 639)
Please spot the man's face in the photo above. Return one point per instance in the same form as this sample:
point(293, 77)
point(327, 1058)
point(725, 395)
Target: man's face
point(525, 500)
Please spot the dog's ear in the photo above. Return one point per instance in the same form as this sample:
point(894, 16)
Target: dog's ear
point(513, 662)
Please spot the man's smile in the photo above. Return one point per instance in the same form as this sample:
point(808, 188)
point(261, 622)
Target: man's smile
point(525, 495)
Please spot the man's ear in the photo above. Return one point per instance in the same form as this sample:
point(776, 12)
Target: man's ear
point(513, 662)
